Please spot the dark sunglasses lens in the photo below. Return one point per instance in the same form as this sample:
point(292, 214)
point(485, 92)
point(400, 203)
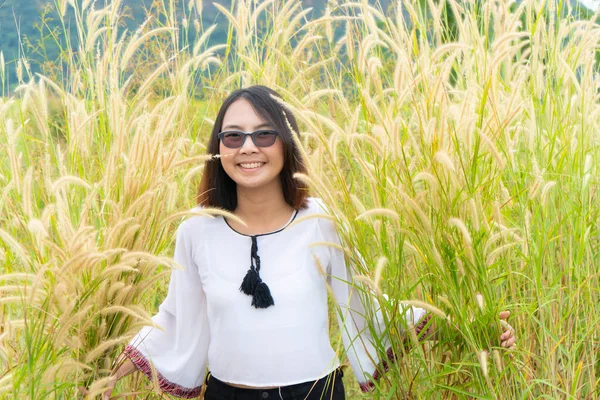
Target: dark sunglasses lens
point(265, 138)
point(233, 139)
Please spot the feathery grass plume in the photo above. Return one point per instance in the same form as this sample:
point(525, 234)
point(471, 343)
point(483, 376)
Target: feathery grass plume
point(425, 176)
point(64, 371)
point(468, 241)
point(533, 189)
point(15, 247)
point(11, 135)
point(444, 159)
point(313, 183)
point(98, 387)
point(138, 40)
point(37, 228)
point(474, 213)
point(381, 263)
point(320, 268)
point(483, 362)
point(357, 203)
point(426, 306)
point(491, 256)
point(328, 244)
point(206, 212)
point(299, 220)
point(63, 181)
point(458, 223)
point(498, 219)
point(17, 299)
point(545, 190)
point(6, 383)
point(445, 301)
point(375, 212)
point(480, 301)
point(2, 70)
point(61, 295)
point(69, 321)
point(498, 360)
point(490, 145)
point(369, 283)
point(309, 99)
point(422, 218)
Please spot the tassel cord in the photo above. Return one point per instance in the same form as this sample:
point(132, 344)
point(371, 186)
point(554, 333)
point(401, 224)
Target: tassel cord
point(252, 284)
point(254, 257)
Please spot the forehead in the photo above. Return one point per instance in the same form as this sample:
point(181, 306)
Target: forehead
point(241, 115)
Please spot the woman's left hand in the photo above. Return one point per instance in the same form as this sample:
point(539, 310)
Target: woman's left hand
point(507, 338)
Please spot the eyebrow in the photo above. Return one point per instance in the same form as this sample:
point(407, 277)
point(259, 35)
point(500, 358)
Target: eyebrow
point(261, 126)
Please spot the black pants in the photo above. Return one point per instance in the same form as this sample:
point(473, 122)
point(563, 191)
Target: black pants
point(329, 387)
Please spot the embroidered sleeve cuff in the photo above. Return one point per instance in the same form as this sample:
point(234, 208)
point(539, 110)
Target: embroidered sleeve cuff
point(369, 386)
point(423, 330)
point(142, 364)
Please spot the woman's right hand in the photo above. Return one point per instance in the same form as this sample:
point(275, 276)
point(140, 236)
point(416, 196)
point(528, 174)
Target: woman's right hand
point(112, 381)
point(124, 369)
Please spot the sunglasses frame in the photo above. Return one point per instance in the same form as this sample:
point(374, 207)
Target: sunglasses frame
point(246, 134)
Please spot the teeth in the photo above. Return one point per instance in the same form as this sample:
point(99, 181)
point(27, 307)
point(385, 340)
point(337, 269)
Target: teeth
point(251, 165)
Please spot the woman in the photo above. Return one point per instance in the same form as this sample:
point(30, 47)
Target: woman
point(251, 300)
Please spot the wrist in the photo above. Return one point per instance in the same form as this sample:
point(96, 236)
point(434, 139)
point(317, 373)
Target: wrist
point(124, 369)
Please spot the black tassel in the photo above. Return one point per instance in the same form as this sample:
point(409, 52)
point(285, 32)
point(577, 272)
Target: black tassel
point(262, 296)
point(251, 280)
point(252, 285)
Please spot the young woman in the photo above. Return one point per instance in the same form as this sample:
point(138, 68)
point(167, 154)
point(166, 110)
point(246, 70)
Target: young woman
point(251, 300)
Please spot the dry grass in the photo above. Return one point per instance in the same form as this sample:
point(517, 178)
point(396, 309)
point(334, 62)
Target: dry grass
point(466, 172)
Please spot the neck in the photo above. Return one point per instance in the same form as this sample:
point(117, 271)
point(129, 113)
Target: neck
point(256, 205)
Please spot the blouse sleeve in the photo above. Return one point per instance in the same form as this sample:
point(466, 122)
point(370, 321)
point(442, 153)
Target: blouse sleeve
point(356, 308)
point(176, 355)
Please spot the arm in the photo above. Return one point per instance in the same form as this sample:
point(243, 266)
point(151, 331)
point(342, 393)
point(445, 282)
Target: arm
point(176, 355)
point(125, 368)
point(426, 330)
point(359, 316)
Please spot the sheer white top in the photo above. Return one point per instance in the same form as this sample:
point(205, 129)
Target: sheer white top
point(208, 322)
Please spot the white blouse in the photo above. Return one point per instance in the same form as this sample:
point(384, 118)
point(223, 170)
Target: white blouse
point(208, 321)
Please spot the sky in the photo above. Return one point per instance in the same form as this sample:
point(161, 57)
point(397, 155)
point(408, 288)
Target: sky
point(591, 4)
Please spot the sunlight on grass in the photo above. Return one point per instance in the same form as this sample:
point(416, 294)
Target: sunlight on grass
point(456, 143)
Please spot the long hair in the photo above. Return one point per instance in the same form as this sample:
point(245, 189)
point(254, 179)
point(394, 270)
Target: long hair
point(217, 189)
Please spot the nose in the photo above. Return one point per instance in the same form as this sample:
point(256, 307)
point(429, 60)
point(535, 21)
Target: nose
point(248, 147)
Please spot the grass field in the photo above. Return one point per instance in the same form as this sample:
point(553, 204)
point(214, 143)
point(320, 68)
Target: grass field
point(456, 142)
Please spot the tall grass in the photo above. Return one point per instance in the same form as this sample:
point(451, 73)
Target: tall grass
point(461, 160)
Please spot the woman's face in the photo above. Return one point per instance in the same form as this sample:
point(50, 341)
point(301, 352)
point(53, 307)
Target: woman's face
point(250, 166)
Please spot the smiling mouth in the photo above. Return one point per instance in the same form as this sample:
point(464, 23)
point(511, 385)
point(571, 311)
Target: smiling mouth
point(253, 165)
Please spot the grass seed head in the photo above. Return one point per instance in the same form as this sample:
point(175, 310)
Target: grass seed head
point(483, 361)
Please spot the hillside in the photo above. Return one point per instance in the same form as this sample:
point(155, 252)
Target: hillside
point(25, 25)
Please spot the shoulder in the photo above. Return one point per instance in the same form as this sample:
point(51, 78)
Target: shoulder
point(324, 217)
point(316, 205)
point(194, 221)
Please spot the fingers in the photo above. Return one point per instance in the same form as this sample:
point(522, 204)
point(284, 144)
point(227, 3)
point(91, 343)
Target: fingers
point(509, 343)
point(107, 394)
point(505, 325)
point(82, 392)
point(507, 338)
point(504, 315)
point(508, 331)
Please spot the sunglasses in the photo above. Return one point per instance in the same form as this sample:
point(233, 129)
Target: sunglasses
point(261, 138)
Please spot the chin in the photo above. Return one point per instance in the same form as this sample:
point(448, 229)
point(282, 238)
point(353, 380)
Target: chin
point(258, 184)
